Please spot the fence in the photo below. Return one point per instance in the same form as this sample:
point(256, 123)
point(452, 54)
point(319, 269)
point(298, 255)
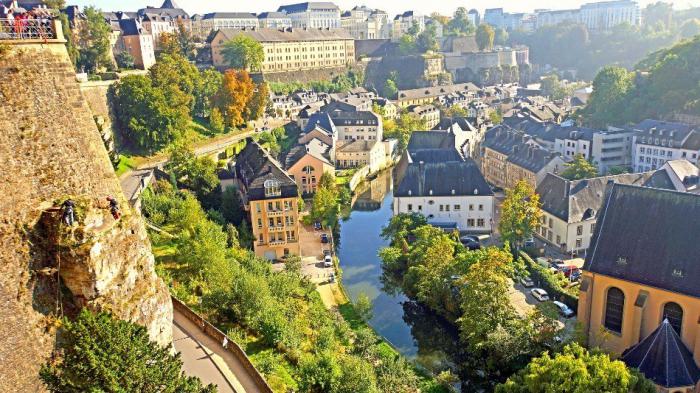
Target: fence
point(219, 336)
point(27, 29)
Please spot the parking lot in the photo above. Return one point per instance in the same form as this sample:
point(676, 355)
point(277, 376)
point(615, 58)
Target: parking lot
point(312, 254)
point(523, 302)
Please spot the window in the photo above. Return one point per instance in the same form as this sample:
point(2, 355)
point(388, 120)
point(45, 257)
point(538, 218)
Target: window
point(470, 222)
point(410, 207)
point(471, 207)
point(579, 230)
point(259, 223)
point(551, 223)
point(578, 243)
point(447, 208)
point(592, 228)
point(481, 208)
point(442, 208)
point(614, 305)
point(674, 313)
point(558, 239)
point(457, 208)
point(272, 188)
point(269, 206)
point(257, 207)
point(480, 223)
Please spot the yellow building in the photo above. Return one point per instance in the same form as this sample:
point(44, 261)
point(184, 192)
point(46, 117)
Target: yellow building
point(270, 196)
point(292, 49)
point(307, 163)
point(643, 268)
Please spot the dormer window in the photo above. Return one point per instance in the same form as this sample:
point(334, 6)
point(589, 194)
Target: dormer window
point(272, 188)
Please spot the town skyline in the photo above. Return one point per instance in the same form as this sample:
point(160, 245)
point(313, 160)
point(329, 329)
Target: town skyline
point(393, 7)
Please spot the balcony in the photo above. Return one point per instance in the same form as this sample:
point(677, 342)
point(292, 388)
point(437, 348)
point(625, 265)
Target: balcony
point(31, 30)
point(277, 243)
point(275, 229)
point(275, 213)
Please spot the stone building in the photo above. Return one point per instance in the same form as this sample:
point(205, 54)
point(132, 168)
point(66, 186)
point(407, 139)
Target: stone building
point(270, 196)
point(293, 49)
point(642, 270)
point(313, 15)
point(137, 42)
point(274, 20)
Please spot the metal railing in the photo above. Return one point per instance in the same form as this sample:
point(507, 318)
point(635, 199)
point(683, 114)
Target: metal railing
point(27, 29)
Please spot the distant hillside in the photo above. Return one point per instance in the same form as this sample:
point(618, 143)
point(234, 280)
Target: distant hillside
point(666, 83)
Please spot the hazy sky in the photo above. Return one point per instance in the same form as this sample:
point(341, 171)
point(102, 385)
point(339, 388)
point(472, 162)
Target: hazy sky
point(391, 6)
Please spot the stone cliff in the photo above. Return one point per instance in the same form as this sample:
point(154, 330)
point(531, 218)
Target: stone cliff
point(50, 150)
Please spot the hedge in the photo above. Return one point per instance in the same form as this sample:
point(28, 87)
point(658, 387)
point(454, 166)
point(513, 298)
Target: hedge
point(548, 282)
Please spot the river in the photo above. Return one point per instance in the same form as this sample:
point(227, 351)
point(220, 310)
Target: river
point(417, 334)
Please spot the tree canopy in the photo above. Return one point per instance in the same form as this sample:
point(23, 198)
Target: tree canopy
point(579, 168)
point(104, 354)
point(520, 213)
point(94, 51)
point(243, 53)
point(460, 25)
point(485, 36)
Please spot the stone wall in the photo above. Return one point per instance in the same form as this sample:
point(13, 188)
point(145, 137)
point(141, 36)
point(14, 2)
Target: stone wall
point(51, 150)
point(324, 74)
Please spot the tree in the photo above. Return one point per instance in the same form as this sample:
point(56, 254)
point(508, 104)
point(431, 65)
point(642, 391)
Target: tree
point(390, 90)
point(363, 307)
point(658, 14)
point(576, 370)
point(243, 53)
point(520, 213)
point(579, 168)
point(124, 60)
point(326, 205)
point(407, 45)
point(179, 42)
point(460, 25)
point(258, 102)
point(501, 37)
point(196, 173)
point(176, 72)
point(427, 40)
point(94, 50)
point(610, 89)
point(103, 354)
point(231, 206)
point(151, 117)
point(406, 124)
point(485, 36)
point(234, 96)
point(216, 121)
point(210, 82)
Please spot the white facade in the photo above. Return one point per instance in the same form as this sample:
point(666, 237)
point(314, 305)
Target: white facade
point(404, 22)
point(555, 17)
point(365, 24)
point(473, 213)
point(211, 22)
point(274, 20)
point(607, 14)
point(313, 15)
point(648, 157)
point(572, 237)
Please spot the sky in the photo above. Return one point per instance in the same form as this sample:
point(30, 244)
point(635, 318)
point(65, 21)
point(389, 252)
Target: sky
point(393, 7)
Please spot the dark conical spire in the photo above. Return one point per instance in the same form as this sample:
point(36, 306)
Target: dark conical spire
point(169, 4)
point(663, 358)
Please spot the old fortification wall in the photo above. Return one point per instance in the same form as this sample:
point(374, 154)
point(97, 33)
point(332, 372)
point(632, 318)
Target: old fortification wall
point(51, 150)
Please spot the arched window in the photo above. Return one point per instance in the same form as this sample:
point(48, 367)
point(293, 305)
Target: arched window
point(614, 306)
point(674, 313)
point(308, 169)
point(272, 188)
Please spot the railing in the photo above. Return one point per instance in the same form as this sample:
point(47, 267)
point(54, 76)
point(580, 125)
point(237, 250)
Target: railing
point(231, 345)
point(27, 29)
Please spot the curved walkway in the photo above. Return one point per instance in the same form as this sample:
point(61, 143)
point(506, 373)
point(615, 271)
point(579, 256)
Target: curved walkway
point(207, 359)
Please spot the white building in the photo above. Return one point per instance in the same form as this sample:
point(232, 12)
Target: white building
point(607, 14)
point(313, 15)
point(656, 142)
point(679, 175)
point(555, 17)
point(361, 125)
point(227, 20)
point(364, 23)
point(405, 21)
point(449, 194)
point(274, 20)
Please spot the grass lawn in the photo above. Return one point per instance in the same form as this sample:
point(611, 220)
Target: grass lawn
point(126, 164)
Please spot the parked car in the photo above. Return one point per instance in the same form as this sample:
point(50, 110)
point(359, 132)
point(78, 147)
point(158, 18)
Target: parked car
point(564, 310)
point(529, 242)
point(317, 226)
point(570, 271)
point(527, 282)
point(326, 253)
point(331, 278)
point(324, 238)
point(327, 261)
point(539, 294)
point(470, 242)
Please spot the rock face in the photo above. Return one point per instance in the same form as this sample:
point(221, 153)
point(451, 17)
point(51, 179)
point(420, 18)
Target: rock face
point(51, 150)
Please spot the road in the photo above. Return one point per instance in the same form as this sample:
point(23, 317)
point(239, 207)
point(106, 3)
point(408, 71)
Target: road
point(207, 359)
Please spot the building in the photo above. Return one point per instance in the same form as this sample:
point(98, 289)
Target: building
point(570, 209)
point(497, 18)
point(226, 20)
point(641, 270)
point(359, 153)
point(556, 17)
point(307, 163)
point(360, 125)
point(403, 22)
point(605, 15)
point(270, 197)
point(428, 95)
point(428, 113)
point(274, 20)
point(656, 142)
point(449, 191)
point(293, 49)
point(163, 19)
point(137, 42)
point(313, 15)
point(509, 156)
point(389, 110)
point(467, 136)
point(363, 23)
point(679, 175)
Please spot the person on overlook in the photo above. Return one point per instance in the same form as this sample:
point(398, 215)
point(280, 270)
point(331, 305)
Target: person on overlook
point(68, 212)
point(114, 207)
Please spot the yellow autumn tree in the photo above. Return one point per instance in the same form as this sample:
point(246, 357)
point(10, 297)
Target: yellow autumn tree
point(236, 92)
point(520, 213)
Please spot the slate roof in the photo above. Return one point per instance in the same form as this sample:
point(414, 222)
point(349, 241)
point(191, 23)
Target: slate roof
point(320, 119)
point(308, 6)
point(434, 155)
point(431, 140)
point(663, 358)
point(131, 27)
point(229, 15)
point(678, 133)
point(463, 123)
point(254, 166)
point(273, 14)
point(357, 145)
point(442, 177)
point(354, 118)
point(648, 236)
point(286, 35)
point(579, 200)
point(551, 131)
point(315, 148)
point(435, 91)
point(531, 158)
point(684, 172)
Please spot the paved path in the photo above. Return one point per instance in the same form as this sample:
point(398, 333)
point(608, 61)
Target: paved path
point(207, 359)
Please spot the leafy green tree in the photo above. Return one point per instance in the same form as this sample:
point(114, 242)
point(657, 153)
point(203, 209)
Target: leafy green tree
point(407, 45)
point(243, 53)
point(390, 90)
point(363, 307)
point(326, 205)
point(216, 121)
point(460, 25)
point(610, 91)
point(579, 168)
point(658, 14)
point(103, 354)
point(618, 170)
point(405, 125)
point(151, 117)
point(501, 37)
point(196, 173)
point(576, 370)
point(401, 225)
point(427, 40)
point(520, 213)
point(124, 60)
point(210, 82)
point(232, 236)
point(357, 377)
point(94, 51)
point(174, 71)
point(485, 36)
